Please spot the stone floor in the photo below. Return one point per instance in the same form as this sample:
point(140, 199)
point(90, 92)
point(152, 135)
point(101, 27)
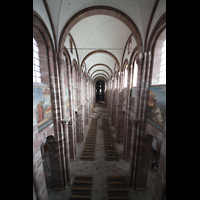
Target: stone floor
point(99, 168)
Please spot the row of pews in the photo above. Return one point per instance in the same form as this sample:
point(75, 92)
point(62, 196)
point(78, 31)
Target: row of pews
point(89, 147)
point(110, 153)
point(81, 187)
point(117, 188)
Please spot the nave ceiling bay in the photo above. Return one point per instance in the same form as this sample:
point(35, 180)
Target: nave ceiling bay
point(100, 25)
point(100, 41)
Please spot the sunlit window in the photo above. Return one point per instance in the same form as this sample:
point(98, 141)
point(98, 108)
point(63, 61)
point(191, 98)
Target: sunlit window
point(36, 63)
point(162, 77)
point(135, 71)
point(159, 64)
point(126, 76)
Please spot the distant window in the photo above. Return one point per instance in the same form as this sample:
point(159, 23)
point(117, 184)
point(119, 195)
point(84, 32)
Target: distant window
point(36, 63)
point(99, 90)
point(135, 71)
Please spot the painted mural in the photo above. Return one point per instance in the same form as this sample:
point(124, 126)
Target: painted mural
point(42, 101)
point(133, 99)
point(156, 113)
point(67, 99)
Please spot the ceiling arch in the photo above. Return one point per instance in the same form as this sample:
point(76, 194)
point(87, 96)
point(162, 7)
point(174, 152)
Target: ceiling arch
point(100, 78)
point(100, 64)
point(99, 51)
point(100, 75)
point(100, 56)
point(100, 10)
point(100, 70)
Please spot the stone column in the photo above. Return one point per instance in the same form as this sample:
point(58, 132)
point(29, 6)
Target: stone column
point(127, 121)
point(127, 141)
point(141, 162)
point(66, 148)
point(105, 95)
point(113, 102)
point(55, 163)
point(113, 110)
point(71, 141)
point(82, 122)
point(133, 147)
point(79, 134)
point(64, 141)
point(87, 112)
point(118, 124)
point(63, 112)
point(141, 144)
point(72, 123)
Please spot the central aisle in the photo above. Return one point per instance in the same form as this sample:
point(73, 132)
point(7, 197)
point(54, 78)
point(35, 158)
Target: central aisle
point(100, 168)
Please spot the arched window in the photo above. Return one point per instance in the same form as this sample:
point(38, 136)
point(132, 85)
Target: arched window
point(135, 71)
point(162, 77)
point(126, 76)
point(159, 63)
point(36, 63)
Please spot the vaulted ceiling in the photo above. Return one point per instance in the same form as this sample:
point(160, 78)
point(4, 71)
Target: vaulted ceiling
point(100, 42)
point(100, 39)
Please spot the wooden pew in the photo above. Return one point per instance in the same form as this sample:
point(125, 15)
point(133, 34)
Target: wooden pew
point(80, 197)
point(118, 197)
point(82, 182)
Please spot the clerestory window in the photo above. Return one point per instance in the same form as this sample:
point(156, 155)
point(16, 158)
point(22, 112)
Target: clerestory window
point(36, 63)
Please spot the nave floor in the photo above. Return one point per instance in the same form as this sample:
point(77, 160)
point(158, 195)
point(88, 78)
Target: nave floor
point(99, 168)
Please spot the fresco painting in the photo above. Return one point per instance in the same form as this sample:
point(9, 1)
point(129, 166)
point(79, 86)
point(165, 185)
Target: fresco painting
point(42, 101)
point(156, 113)
point(67, 99)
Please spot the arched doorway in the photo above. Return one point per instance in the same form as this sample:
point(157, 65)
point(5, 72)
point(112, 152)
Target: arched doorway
point(46, 163)
point(100, 91)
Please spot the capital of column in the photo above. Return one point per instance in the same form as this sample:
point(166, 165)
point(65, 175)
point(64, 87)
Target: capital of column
point(140, 61)
point(64, 121)
point(60, 61)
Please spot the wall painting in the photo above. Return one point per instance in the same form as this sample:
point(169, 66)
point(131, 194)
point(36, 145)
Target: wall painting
point(156, 113)
point(42, 101)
